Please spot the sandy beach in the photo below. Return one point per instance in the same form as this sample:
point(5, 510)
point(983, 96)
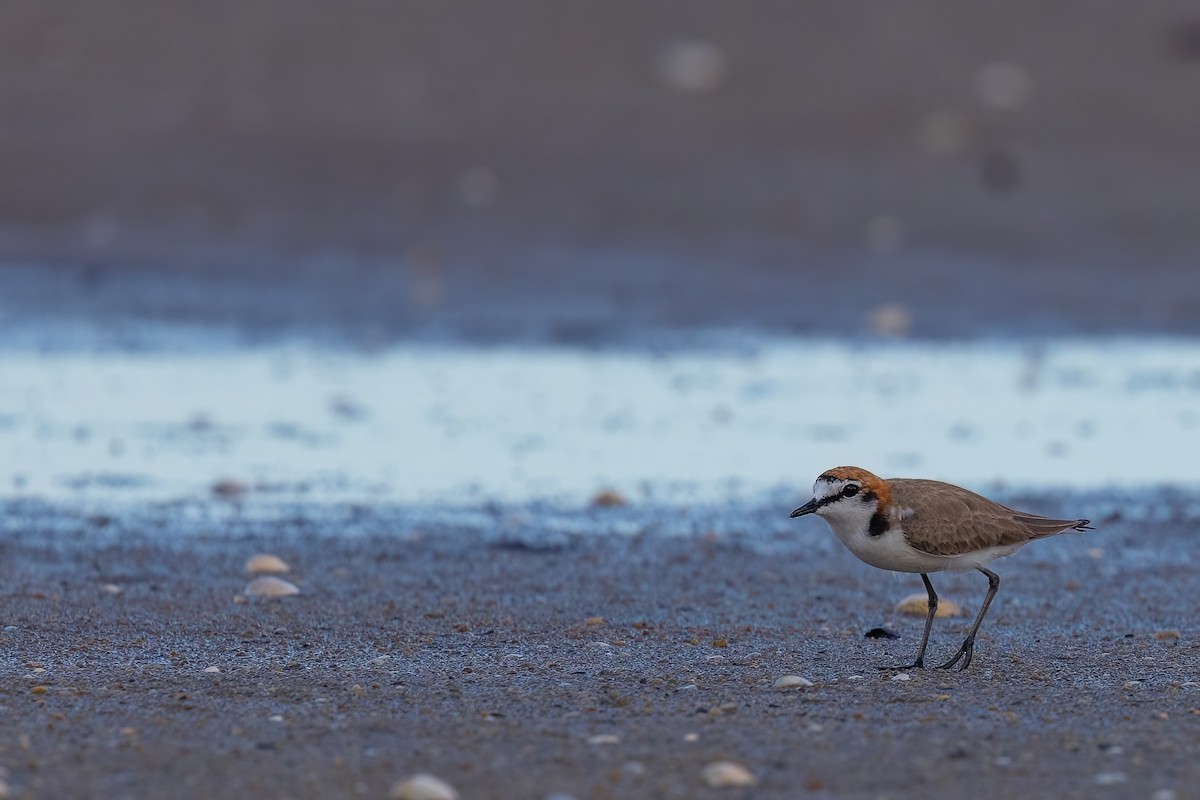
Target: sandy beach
point(512, 660)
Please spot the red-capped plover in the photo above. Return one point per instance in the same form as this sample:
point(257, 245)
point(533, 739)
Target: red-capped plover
point(923, 526)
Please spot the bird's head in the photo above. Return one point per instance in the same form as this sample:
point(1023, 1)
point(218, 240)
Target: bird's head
point(846, 493)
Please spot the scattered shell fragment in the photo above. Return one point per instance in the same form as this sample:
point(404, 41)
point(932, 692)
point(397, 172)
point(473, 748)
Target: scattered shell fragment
point(918, 606)
point(692, 66)
point(423, 786)
point(724, 774)
point(112, 589)
point(891, 320)
point(265, 562)
point(1169, 634)
point(212, 669)
point(269, 586)
point(229, 489)
point(691, 737)
point(608, 498)
point(1110, 778)
point(604, 738)
point(903, 676)
point(792, 682)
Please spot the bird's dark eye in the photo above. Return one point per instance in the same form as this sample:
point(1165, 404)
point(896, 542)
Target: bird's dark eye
point(850, 491)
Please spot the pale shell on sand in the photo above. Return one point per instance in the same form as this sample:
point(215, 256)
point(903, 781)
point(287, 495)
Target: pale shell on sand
point(723, 774)
point(270, 587)
point(918, 606)
point(265, 563)
point(792, 682)
point(423, 786)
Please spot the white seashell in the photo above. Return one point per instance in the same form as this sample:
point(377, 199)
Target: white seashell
point(212, 669)
point(918, 606)
point(265, 562)
point(723, 774)
point(792, 682)
point(903, 676)
point(423, 787)
point(604, 738)
point(270, 587)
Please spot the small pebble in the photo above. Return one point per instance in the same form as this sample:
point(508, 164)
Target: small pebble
point(1170, 634)
point(260, 563)
point(112, 589)
point(903, 676)
point(880, 633)
point(917, 605)
point(423, 787)
point(691, 737)
point(724, 774)
point(792, 682)
point(380, 660)
point(1110, 778)
point(212, 669)
point(275, 718)
point(270, 587)
point(604, 738)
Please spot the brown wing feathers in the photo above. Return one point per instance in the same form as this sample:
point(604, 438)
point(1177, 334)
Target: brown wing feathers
point(951, 520)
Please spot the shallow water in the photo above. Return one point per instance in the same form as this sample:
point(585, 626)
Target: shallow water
point(464, 425)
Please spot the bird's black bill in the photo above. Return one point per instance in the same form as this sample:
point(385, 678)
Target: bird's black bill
point(807, 508)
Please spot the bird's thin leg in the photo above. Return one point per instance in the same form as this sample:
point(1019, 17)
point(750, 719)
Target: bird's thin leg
point(920, 662)
point(933, 603)
point(968, 646)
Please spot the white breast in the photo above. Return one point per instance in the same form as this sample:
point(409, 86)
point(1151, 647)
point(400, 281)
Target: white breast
point(892, 551)
point(889, 550)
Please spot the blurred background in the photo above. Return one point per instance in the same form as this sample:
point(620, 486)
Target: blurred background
point(574, 171)
point(628, 175)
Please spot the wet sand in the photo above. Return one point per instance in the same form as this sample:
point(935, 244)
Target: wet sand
point(489, 651)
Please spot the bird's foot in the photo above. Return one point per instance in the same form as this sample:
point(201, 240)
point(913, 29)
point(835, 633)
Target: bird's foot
point(918, 664)
point(964, 655)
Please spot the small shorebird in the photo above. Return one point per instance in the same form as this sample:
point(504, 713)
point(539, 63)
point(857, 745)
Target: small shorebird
point(911, 525)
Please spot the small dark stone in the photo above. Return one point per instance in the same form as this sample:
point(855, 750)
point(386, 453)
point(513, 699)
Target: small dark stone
point(881, 633)
point(957, 753)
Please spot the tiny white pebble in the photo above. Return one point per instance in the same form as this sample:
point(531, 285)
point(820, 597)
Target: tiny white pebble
point(112, 589)
point(270, 587)
point(378, 660)
point(815, 727)
point(423, 787)
point(903, 676)
point(212, 669)
point(854, 677)
point(688, 687)
point(791, 682)
point(1132, 684)
point(265, 562)
point(602, 645)
point(723, 774)
point(604, 738)
point(691, 737)
point(276, 718)
point(1110, 778)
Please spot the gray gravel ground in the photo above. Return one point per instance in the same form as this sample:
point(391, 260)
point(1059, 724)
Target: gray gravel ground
point(488, 651)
